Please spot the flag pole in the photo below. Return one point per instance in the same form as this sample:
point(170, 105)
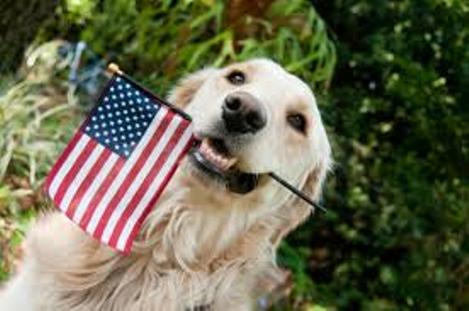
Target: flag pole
point(115, 70)
point(296, 191)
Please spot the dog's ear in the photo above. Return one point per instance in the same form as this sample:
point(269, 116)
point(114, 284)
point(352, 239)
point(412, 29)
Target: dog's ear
point(185, 90)
point(296, 211)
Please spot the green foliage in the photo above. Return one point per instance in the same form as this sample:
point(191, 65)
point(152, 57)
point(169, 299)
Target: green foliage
point(159, 41)
point(396, 235)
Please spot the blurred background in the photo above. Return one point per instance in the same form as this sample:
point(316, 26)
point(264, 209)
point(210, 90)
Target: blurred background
point(392, 80)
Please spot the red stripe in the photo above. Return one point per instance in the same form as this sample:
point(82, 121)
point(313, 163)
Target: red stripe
point(55, 169)
point(151, 204)
point(73, 171)
point(87, 181)
point(159, 163)
point(131, 176)
point(101, 192)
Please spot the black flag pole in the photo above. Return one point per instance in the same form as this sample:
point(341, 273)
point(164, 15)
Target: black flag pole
point(296, 191)
point(114, 69)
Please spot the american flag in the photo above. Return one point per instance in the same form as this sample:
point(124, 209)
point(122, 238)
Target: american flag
point(112, 172)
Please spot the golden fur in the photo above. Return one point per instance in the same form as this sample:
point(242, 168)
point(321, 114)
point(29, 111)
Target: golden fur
point(201, 245)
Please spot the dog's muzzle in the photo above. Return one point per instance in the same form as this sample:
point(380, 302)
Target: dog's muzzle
point(243, 113)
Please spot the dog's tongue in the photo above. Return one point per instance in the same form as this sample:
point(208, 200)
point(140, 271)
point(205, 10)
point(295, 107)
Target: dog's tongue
point(221, 161)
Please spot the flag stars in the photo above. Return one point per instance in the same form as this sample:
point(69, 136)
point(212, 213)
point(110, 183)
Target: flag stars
point(122, 118)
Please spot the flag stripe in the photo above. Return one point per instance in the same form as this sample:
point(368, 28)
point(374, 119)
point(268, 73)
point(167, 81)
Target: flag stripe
point(137, 176)
point(135, 222)
point(85, 183)
point(102, 211)
point(74, 153)
point(97, 182)
point(79, 176)
point(146, 211)
point(99, 194)
point(63, 157)
point(146, 180)
point(72, 173)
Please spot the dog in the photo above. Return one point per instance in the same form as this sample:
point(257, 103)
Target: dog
point(212, 237)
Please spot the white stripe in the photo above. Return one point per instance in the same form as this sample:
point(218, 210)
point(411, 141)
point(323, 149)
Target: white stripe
point(155, 185)
point(72, 157)
point(91, 191)
point(139, 178)
point(130, 162)
point(78, 178)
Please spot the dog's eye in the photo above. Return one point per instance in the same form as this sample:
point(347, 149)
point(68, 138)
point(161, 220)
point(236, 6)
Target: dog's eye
point(297, 121)
point(236, 77)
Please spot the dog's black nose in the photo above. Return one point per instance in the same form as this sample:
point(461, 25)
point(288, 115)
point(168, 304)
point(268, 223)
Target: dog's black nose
point(243, 113)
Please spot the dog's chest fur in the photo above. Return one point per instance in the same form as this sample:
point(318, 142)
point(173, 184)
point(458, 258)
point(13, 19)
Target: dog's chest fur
point(184, 257)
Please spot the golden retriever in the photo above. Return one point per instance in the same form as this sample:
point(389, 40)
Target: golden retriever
point(214, 232)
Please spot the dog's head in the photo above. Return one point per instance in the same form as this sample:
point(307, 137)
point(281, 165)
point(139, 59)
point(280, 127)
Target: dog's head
point(253, 118)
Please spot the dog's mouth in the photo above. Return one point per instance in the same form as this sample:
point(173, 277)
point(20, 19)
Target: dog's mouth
point(212, 157)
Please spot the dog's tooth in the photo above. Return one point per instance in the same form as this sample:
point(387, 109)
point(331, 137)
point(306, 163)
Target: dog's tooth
point(231, 162)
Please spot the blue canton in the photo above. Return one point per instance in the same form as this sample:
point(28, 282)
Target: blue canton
point(121, 117)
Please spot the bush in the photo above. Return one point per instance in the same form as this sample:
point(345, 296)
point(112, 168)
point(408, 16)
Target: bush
point(395, 237)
